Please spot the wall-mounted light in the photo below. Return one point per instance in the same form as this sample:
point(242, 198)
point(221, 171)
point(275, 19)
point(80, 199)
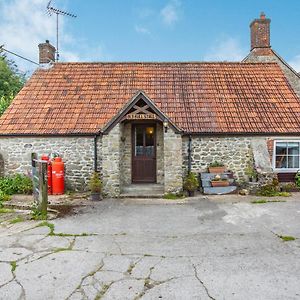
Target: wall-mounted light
point(166, 125)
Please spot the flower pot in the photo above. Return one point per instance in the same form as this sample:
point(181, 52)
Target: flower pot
point(218, 170)
point(191, 193)
point(219, 183)
point(95, 197)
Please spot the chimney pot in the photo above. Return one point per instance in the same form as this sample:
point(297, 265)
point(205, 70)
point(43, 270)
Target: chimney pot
point(262, 16)
point(46, 53)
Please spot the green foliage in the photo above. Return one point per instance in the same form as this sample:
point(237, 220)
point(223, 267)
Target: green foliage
point(11, 81)
point(272, 190)
point(13, 265)
point(251, 172)
point(262, 201)
point(18, 219)
point(297, 179)
point(36, 214)
point(216, 164)
point(287, 238)
point(49, 225)
point(191, 182)
point(3, 196)
point(173, 196)
point(95, 184)
point(6, 210)
point(18, 184)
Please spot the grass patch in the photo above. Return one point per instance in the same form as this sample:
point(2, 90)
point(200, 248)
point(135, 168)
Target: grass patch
point(286, 238)
point(13, 265)
point(173, 196)
point(18, 219)
point(71, 234)
point(263, 201)
point(6, 210)
point(49, 225)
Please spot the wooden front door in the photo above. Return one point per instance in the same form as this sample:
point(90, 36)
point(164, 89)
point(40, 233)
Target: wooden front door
point(144, 153)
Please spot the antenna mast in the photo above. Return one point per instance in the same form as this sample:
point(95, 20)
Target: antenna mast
point(52, 10)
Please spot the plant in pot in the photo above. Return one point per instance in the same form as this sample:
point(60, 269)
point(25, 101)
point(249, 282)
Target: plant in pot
point(191, 184)
point(251, 173)
point(216, 167)
point(218, 181)
point(95, 186)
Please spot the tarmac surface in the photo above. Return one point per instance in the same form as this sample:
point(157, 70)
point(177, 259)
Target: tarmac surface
point(217, 247)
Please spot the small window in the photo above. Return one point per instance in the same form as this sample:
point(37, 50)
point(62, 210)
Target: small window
point(287, 154)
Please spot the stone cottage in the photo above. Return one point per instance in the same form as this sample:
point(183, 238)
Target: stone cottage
point(138, 122)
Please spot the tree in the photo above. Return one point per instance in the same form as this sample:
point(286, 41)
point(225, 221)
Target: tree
point(11, 81)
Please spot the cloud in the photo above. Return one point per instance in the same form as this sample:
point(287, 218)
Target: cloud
point(226, 49)
point(170, 13)
point(295, 63)
point(142, 30)
point(25, 23)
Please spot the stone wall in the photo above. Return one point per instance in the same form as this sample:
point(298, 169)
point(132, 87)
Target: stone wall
point(234, 152)
point(292, 78)
point(111, 154)
point(77, 153)
point(172, 161)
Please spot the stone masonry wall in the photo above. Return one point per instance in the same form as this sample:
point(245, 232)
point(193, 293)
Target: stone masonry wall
point(77, 153)
point(292, 78)
point(172, 161)
point(111, 154)
point(234, 152)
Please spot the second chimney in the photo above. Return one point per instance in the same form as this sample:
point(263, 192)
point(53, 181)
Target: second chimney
point(46, 53)
point(260, 32)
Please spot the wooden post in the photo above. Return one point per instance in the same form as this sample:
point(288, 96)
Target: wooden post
point(35, 178)
point(40, 183)
point(43, 187)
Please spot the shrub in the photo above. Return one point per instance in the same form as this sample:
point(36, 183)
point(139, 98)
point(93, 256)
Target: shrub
point(95, 184)
point(191, 182)
point(18, 184)
point(297, 179)
point(3, 196)
point(272, 190)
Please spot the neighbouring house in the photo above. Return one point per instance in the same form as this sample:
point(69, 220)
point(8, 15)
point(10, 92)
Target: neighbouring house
point(138, 122)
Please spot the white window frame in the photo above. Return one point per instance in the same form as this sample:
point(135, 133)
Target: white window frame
point(284, 170)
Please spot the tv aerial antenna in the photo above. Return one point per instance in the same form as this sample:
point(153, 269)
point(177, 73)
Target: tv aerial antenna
point(52, 10)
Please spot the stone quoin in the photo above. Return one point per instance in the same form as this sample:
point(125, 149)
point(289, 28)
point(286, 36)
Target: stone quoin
point(153, 122)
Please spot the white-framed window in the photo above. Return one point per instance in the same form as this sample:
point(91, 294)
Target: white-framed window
point(286, 156)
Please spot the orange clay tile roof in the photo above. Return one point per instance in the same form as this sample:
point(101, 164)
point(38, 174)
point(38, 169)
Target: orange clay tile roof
point(81, 98)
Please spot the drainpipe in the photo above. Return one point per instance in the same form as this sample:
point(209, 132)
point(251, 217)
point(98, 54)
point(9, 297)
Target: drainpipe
point(190, 154)
point(95, 153)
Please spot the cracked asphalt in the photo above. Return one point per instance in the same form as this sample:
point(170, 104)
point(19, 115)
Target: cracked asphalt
point(204, 248)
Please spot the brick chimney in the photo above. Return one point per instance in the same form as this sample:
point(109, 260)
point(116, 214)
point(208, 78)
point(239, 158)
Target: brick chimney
point(260, 32)
point(46, 53)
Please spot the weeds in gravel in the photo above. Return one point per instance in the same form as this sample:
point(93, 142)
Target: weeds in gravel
point(286, 238)
point(262, 201)
point(6, 210)
point(18, 219)
point(13, 265)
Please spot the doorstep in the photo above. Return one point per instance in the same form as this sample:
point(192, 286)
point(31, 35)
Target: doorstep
point(142, 190)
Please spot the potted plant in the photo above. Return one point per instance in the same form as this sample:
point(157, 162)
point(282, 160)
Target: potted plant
point(218, 181)
point(216, 167)
point(251, 173)
point(191, 184)
point(95, 186)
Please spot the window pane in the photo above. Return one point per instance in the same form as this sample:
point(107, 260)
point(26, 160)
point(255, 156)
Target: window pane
point(149, 151)
point(281, 161)
point(281, 148)
point(139, 141)
point(293, 148)
point(293, 162)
